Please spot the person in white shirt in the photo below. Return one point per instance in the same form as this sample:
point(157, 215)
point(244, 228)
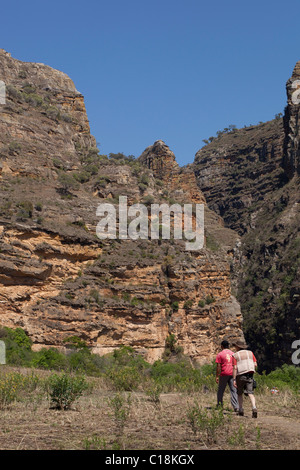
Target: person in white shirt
point(244, 366)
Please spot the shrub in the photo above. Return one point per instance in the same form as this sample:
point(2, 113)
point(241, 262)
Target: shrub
point(25, 210)
point(18, 346)
point(67, 182)
point(64, 389)
point(13, 383)
point(170, 342)
point(14, 147)
point(153, 391)
point(181, 376)
point(125, 378)
point(19, 337)
point(82, 360)
point(9, 386)
point(82, 176)
point(49, 359)
point(285, 377)
point(148, 200)
point(188, 304)
point(121, 407)
point(127, 370)
point(209, 299)
point(126, 355)
point(205, 421)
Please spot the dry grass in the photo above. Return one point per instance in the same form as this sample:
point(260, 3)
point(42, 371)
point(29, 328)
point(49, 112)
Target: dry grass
point(93, 423)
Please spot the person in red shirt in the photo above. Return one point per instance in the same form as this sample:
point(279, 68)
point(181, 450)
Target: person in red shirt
point(224, 375)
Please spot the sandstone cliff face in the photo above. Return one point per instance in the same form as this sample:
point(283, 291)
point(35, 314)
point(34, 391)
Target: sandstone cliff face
point(44, 119)
point(57, 279)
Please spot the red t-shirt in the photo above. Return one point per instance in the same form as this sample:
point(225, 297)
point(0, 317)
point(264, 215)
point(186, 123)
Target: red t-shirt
point(225, 359)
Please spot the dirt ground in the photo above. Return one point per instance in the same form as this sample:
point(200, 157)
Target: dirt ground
point(91, 424)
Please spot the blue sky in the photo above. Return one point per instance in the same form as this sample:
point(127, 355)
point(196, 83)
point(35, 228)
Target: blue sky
point(172, 70)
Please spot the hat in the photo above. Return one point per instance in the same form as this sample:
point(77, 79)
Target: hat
point(240, 344)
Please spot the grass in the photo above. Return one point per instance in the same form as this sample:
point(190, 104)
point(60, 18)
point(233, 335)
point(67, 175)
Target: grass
point(103, 418)
point(133, 405)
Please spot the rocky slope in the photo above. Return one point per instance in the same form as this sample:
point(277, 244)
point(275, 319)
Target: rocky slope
point(238, 169)
point(57, 279)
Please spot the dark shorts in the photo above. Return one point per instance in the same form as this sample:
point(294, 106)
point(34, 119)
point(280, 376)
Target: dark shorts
point(244, 383)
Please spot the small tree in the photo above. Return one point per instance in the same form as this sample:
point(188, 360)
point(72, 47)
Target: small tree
point(64, 389)
point(67, 182)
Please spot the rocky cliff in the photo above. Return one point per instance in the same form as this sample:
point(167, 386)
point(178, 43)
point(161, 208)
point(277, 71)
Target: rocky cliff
point(238, 169)
point(57, 278)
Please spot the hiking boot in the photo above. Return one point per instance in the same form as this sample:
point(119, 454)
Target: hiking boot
point(241, 412)
point(254, 413)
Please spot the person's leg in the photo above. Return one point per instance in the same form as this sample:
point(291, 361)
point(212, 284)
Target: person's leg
point(253, 403)
point(233, 395)
point(240, 400)
point(240, 391)
point(223, 379)
point(249, 389)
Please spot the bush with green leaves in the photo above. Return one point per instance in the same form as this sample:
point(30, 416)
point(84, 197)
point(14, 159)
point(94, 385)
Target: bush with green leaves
point(204, 421)
point(64, 389)
point(125, 378)
point(49, 359)
point(18, 346)
point(181, 376)
point(67, 182)
point(282, 378)
point(25, 210)
point(128, 369)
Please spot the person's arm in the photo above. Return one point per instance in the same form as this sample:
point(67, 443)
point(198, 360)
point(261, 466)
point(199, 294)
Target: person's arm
point(234, 371)
point(255, 361)
point(218, 372)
